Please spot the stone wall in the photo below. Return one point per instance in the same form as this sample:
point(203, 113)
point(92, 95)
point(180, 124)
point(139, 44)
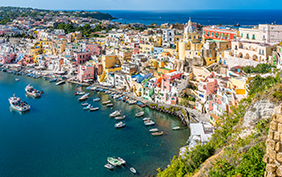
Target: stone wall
point(273, 156)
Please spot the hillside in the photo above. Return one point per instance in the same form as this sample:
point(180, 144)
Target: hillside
point(238, 146)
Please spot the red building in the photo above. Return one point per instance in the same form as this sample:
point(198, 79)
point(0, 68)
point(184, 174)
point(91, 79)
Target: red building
point(220, 33)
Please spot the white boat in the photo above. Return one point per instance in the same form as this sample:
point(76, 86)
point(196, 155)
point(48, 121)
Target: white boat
point(94, 109)
point(84, 104)
point(110, 105)
point(139, 114)
point(32, 92)
point(146, 119)
point(133, 170)
point(18, 105)
point(154, 130)
point(114, 114)
point(176, 128)
point(149, 123)
point(107, 102)
point(109, 166)
point(123, 162)
point(120, 118)
point(96, 99)
point(120, 125)
point(60, 82)
point(132, 102)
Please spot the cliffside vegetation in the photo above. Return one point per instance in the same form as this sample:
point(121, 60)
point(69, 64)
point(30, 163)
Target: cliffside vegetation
point(230, 152)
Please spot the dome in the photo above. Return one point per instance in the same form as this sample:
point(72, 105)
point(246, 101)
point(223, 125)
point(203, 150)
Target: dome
point(189, 28)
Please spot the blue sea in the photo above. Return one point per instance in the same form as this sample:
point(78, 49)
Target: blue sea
point(57, 138)
point(204, 17)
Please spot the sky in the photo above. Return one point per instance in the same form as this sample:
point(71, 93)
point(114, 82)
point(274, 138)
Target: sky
point(144, 4)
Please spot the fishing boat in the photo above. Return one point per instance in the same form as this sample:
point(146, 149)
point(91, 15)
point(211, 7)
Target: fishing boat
point(110, 105)
point(60, 82)
point(132, 102)
point(78, 93)
point(176, 128)
point(94, 109)
point(114, 114)
point(157, 133)
point(133, 170)
point(146, 119)
point(109, 166)
point(120, 118)
point(123, 162)
point(113, 161)
point(149, 123)
point(107, 102)
point(18, 105)
point(87, 107)
point(17, 79)
point(139, 114)
point(32, 92)
point(154, 130)
point(84, 104)
point(120, 125)
point(96, 99)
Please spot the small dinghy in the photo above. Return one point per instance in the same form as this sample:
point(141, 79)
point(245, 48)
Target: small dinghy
point(94, 109)
point(133, 170)
point(109, 166)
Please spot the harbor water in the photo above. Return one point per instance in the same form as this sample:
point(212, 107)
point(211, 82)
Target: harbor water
point(58, 138)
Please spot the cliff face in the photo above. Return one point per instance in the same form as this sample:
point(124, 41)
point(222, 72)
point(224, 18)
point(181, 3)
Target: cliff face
point(273, 156)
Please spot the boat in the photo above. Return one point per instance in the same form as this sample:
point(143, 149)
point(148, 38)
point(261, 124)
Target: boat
point(157, 133)
point(139, 114)
point(94, 109)
point(113, 161)
point(149, 123)
point(96, 99)
point(120, 118)
point(120, 125)
point(176, 128)
point(32, 92)
point(123, 162)
point(114, 114)
point(84, 104)
point(87, 107)
point(110, 105)
point(132, 102)
point(154, 130)
point(18, 105)
point(107, 102)
point(146, 119)
point(60, 82)
point(133, 170)
point(17, 79)
point(109, 166)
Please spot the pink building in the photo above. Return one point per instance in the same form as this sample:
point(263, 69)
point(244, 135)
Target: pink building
point(7, 58)
point(81, 57)
point(85, 72)
point(95, 49)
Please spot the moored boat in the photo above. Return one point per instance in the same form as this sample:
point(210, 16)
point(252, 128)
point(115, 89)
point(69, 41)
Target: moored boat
point(133, 170)
point(109, 166)
point(120, 125)
point(123, 162)
point(18, 105)
point(107, 102)
point(157, 133)
point(139, 114)
point(94, 109)
point(114, 114)
point(120, 118)
point(113, 161)
point(31, 91)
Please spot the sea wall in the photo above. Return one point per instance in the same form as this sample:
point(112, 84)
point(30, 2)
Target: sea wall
point(273, 156)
